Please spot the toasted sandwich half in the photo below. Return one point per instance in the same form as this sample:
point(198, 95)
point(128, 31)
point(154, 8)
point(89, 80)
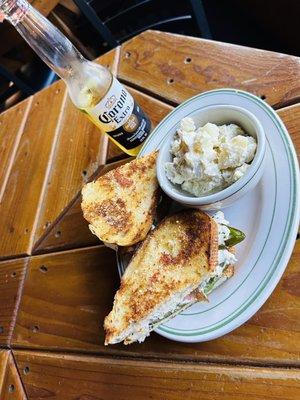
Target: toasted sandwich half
point(120, 205)
point(179, 263)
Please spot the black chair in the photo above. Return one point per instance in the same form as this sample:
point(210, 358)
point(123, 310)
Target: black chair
point(119, 20)
point(32, 79)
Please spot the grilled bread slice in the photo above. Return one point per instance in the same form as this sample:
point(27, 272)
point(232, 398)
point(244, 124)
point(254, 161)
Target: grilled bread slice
point(121, 204)
point(172, 261)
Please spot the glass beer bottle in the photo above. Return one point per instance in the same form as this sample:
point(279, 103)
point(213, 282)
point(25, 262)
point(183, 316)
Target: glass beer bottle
point(92, 87)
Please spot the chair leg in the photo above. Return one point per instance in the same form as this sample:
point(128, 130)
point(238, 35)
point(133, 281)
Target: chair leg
point(96, 22)
point(200, 16)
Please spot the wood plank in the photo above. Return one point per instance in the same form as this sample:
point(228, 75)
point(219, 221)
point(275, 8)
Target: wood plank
point(70, 5)
point(3, 361)
point(44, 6)
point(11, 128)
point(69, 376)
point(21, 199)
point(110, 60)
point(291, 118)
point(70, 230)
point(12, 388)
point(12, 274)
point(80, 149)
point(176, 67)
point(155, 109)
point(66, 296)
point(69, 313)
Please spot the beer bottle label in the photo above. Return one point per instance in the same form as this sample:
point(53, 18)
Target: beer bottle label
point(121, 117)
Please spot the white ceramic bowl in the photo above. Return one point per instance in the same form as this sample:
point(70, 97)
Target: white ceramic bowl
point(218, 114)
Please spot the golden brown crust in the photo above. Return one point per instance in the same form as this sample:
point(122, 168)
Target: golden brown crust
point(120, 205)
point(214, 248)
point(177, 255)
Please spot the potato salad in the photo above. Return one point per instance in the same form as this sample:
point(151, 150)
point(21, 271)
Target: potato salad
point(209, 158)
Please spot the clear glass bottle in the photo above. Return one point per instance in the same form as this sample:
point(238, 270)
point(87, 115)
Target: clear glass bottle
point(92, 87)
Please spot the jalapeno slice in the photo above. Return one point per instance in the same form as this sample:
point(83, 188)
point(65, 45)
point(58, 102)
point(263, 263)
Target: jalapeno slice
point(236, 236)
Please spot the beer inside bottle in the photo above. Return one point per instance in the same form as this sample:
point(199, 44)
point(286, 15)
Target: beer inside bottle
point(117, 114)
point(92, 87)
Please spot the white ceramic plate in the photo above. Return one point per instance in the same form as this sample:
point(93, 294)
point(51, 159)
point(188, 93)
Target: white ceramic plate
point(269, 215)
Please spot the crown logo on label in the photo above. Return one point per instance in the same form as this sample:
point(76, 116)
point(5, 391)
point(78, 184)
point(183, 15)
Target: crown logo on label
point(111, 101)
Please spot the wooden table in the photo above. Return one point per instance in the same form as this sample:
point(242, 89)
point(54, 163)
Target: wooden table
point(57, 280)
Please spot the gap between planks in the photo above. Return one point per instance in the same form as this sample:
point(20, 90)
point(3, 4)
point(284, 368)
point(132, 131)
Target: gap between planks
point(18, 301)
point(116, 63)
point(119, 355)
point(148, 92)
point(36, 253)
point(58, 219)
point(287, 103)
point(58, 252)
point(19, 375)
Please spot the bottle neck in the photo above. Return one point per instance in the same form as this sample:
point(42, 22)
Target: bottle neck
point(45, 39)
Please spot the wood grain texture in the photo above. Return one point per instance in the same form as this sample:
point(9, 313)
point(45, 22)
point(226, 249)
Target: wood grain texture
point(69, 313)
point(44, 6)
point(80, 149)
point(176, 67)
point(70, 230)
point(12, 275)
point(3, 361)
point(66, 296)
point(110, 60)
point(155, 109)
point(291, 118)
point(73, 377)
point(22, 195)
point(12, 388)
point(11, 128)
